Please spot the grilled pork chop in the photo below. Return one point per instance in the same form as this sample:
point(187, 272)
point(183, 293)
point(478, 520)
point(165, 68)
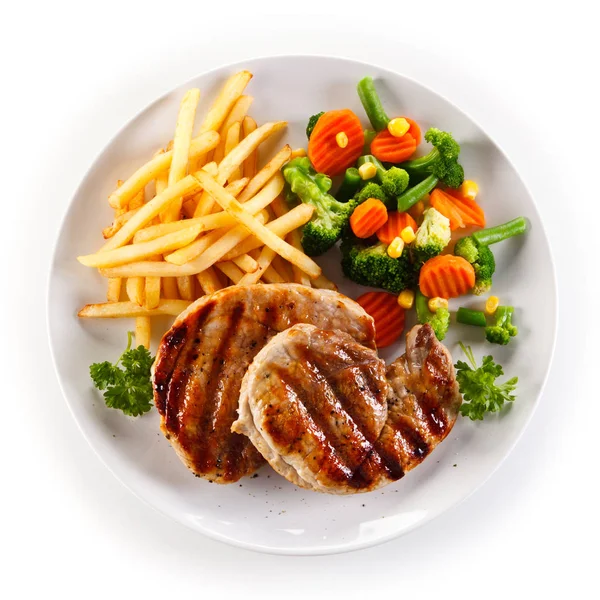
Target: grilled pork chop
point(313, 403)
point(203, 358)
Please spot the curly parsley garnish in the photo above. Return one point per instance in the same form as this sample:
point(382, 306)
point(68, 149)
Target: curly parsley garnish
point(478, 386)
point(128, 388)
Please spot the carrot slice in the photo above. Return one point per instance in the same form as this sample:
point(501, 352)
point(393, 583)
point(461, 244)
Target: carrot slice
point(414, 130)
point(459, 210)
point(368, 217)
point(392, 229)
point(323, 150)
point(446, 276)
point(387, 314)
point(388, 148)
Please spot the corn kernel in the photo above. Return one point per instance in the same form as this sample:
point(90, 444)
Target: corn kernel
point(395, 248)
point(297, 153)
point(406, 299)
point(367, 171)
point(435, 303)
point(398, 127)
point(341, 139)
point(407, 235)
point(469, 189)
point(492, 304)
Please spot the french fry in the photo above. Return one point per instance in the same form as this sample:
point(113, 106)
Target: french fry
point(142, 331)
point(208, 280)
point(280, 227)
point(234, 159)
point(283, 268)
point(185, 287)
point(135, 289)
point(161, 162)
point(120, 220)
point(160, 184)
point(152, 297)
point(113, 294)
point(230, 270)
point(321, 282)
point(169, 286)
point(150, 210)
point(181, 149)
point(117, 310)
point(207, 257)
point(265, 174)
point(266, 236)
point(235, 188)
point(136, 252)
point(137, 200)
point(237, 114)
point(231, 141)
point(251, 163)
point(298, 152)
point(228, 96)
point(272, 276)
point(246, 263)
point(280, 208)
point(217, 220)
point(211, 168)
point(264, 262)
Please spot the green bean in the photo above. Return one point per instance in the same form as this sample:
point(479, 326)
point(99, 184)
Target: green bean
point(412, 195)
point(349, 185)
point(467, 316)
point(372, 104)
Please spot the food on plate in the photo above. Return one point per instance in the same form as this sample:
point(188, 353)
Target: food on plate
point(126, 383)
point(330, 216)
point(503, 328)
point(327, 415)
point(460, 210)
point(368, 217)
point(438, 319)
point(387, 314)
point(478, 386)
point(265, 359)
point(202, 359)
point(475, 250)
point(371, 265)
point(335, 141)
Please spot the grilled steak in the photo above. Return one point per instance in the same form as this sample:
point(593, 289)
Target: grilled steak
point(203, 358)
point(327, 416)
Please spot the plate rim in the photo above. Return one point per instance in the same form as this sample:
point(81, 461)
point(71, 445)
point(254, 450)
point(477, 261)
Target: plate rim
point(290, 550)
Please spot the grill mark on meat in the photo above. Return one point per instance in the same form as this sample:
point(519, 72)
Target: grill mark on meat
point(329, 412)
point(324, 455)
point(205, 442)
point(174, 341)
point(177, 386)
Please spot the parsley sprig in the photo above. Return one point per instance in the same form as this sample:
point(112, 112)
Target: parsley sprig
point(478, 386)
point(128, 388)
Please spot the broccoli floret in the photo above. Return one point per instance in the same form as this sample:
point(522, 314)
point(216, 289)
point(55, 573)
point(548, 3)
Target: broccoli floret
point(441, 163)
point(432, 236)
point(439, 320)
point(330, 216)
point(482, 259)
point(371, 190)
point(503, 329)
point(394, 181)
point(312, 122)
point(371, 265)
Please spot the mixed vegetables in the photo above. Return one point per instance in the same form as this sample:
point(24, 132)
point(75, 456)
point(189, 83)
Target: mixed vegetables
point(396, 214)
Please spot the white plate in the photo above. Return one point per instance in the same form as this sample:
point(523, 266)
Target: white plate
point(266, 513)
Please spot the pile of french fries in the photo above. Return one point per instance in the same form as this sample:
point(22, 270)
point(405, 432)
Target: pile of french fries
point(200, 216)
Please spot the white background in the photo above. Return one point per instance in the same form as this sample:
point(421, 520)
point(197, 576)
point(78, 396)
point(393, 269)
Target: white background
point(73, 73)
